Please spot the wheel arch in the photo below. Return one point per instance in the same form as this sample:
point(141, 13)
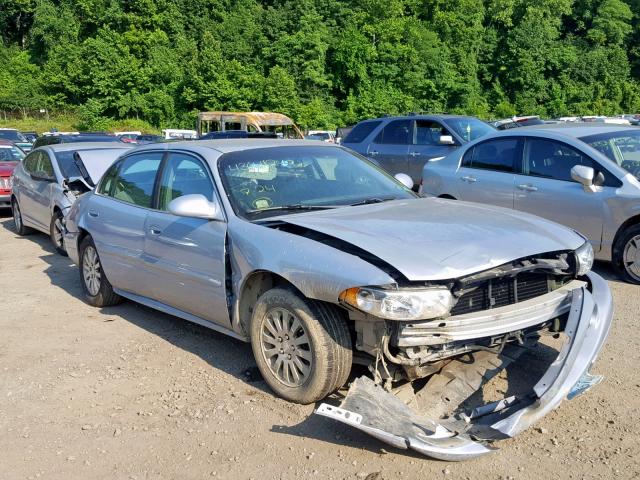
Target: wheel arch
point(253, 286)
point(631, 221)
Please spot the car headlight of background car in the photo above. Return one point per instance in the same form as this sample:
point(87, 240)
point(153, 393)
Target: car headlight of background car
point(584, 259)
point(400, 304)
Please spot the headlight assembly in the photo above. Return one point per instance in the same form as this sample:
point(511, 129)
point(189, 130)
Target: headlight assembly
point(584, 259)
point(418, 304)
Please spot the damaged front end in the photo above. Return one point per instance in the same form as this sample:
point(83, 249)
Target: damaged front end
point(499, 316)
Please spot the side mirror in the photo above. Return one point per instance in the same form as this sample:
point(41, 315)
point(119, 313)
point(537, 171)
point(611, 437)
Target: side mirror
point(583, 174)
point(195, 206)
point(447, 140)
point(404, 179)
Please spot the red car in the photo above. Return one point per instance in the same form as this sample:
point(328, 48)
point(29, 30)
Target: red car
point(10, 155)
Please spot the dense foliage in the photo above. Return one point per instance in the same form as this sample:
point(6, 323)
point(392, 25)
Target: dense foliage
point(323, 62)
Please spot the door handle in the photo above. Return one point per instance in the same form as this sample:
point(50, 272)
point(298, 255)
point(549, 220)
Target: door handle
point(527, 187)
point(373, 152)
point(93, 213)
point(415, 154)
point(155, 231)
point(469, 179)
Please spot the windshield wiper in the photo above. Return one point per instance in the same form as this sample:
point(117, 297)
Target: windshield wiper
point(368, 201)
point(291, 208)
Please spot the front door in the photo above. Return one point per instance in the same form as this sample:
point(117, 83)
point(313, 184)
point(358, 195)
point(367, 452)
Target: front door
point(545, 188)
point(427, 145)
point(186, 256)
point(486, 172)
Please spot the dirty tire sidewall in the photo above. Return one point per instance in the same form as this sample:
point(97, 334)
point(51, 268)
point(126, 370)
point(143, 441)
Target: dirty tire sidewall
point(618, 254)
point(105, 296)
point(57, 217)
point(329, 342)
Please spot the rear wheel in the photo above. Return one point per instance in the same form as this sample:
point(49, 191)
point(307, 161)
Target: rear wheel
point(302, 347)
point(17, 219)
point(97, 289)
point(626, 254)
point(56, 232)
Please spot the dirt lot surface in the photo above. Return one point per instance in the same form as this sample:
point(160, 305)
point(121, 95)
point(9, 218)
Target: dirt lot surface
point(130, 393)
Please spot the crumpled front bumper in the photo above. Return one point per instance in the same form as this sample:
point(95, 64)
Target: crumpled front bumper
point(369, 408)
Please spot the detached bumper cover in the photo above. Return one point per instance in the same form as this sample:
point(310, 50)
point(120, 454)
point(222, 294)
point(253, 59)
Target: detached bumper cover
point(369, 408)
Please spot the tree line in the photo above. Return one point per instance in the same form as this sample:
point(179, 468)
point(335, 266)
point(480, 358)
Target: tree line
point(323, 62)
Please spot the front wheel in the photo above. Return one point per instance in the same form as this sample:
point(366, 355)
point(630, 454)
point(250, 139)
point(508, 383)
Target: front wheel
point(626, 255)
point(97, 289)
point(302, 347)
point(56, 232)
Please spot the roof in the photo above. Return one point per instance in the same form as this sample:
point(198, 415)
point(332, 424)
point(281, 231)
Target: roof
point(442, 116)
point(578, 130)
point(65, 147)
point(259, 118)
point(235, 144)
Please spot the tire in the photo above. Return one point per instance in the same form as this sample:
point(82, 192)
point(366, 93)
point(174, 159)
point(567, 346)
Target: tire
point(95, 285)
point(17, 219)
point(321, 355)
point(56, 232)
point(626, 255)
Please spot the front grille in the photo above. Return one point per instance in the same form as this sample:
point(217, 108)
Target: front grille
point(499, 292)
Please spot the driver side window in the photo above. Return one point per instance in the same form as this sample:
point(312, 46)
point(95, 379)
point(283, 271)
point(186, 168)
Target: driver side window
point(183, 175)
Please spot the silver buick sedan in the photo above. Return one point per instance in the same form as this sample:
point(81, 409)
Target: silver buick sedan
point(321, 260)
point(49, 179)
point(583, 176)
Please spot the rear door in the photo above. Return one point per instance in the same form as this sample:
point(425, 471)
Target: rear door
point(117, 216)
point(390, 148)
point(544, 187)
point(186, 256)
point(486, 172)
point(427, 145)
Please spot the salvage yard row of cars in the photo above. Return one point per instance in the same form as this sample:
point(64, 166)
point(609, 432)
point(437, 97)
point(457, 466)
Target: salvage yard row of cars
point(326, 263)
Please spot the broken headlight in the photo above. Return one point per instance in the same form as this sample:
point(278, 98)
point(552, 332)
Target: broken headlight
point(584, 259)
point(400, 304)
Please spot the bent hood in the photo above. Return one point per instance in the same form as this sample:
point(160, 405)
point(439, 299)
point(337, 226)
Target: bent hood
point(436, 239)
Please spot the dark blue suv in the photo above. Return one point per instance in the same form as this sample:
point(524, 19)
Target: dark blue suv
point(405, 144)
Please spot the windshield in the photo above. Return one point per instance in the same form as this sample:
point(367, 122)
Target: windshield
point(10, 153)
point(271, 181)
point(67, 165)
point(623, 147)
point(469, 128)
point(12, 135)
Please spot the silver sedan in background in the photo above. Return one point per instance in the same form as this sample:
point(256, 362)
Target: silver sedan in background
point(582, 176)
point(322, 260)
point(50, 178)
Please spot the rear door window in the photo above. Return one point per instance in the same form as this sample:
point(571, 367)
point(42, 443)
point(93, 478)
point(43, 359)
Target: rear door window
point(361, 131)
point(397, 132)
point(500, 155)
point(136, 179)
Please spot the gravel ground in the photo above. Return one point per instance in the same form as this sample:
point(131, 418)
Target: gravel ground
point(128, 392)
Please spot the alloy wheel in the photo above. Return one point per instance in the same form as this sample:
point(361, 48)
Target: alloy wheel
point(286, 347)
point(91, 270)
point(631, 257)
